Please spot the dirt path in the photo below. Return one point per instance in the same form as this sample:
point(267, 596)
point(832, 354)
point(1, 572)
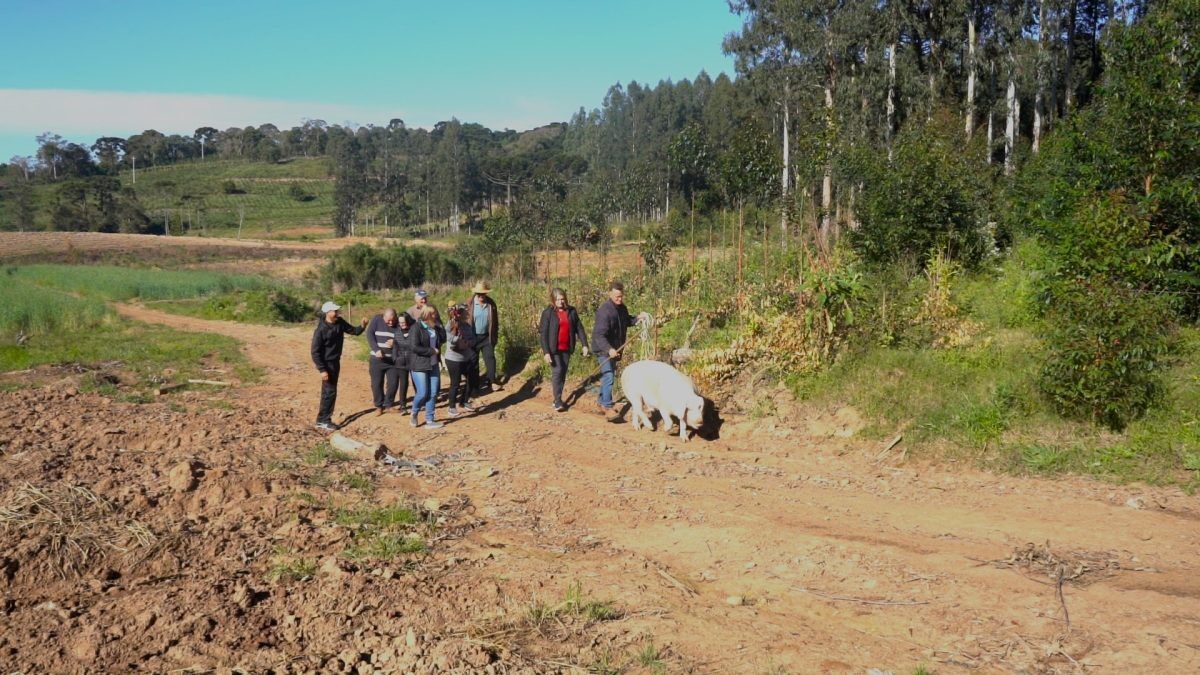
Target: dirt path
point(796, 549)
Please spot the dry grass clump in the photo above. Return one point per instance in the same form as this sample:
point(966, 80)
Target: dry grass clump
point(72, 523)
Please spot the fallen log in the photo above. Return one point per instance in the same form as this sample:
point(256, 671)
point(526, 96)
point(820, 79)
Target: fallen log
point(376, 451)
point(212, 383)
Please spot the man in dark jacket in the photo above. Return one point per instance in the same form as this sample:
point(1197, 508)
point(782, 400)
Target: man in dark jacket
point(327, 357)
point(381, 338)
point(558, 329)
point(608, 339)
point(486, 320)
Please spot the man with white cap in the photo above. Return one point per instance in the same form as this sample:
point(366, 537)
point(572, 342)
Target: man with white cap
point(327, 357)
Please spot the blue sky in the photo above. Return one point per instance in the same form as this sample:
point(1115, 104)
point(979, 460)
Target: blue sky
point(105, 67)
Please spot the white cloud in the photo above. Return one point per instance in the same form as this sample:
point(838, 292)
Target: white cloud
point(73, 112)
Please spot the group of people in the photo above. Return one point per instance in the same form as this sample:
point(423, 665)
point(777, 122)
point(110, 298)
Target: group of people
point(413, 346)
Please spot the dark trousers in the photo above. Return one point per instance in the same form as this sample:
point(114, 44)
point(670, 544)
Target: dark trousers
point(329, 393)
point(488, 351)
point(461, 395)
point(384, 374)
point(402, 386)
point(558, 374)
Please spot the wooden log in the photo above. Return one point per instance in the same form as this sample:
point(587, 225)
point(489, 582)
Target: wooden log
point(376, 451)
point(212, 383)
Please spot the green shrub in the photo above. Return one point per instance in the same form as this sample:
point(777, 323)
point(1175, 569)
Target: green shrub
point(298, 193)
point(655, 249)
point(262, 306)
point(1107, 344)
point(366, 268)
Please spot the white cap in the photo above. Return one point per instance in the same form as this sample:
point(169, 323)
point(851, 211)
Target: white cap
point(330, 306)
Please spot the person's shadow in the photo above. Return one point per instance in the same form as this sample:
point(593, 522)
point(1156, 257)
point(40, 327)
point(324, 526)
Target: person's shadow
point(580, 389)
point(528, 390)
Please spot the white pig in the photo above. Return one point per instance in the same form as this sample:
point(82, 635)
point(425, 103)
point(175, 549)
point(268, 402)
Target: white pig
point(654, 385)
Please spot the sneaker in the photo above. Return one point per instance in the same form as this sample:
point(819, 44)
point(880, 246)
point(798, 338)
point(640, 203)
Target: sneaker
point(452, 412)
point(414, 421)
point(326, 426)
point(469, 408)
point(558, 407)
point(434, 425)
point(379, 411)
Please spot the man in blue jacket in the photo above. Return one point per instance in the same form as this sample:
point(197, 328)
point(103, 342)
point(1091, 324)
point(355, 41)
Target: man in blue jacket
point(326, 348)
point(608, 340)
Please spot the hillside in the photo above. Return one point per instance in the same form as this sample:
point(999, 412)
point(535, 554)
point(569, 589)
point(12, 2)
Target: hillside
point(212, 196)
point(195, 198)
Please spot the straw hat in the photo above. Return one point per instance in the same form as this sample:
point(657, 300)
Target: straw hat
point(482, 288)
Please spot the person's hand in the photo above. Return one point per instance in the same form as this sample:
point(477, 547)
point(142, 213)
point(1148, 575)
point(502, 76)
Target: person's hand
point(324, 375)
point(612, 353)
point(378, 355)
point(363, 323)
point(389, 344)
point(585, 350)
point(547, 359)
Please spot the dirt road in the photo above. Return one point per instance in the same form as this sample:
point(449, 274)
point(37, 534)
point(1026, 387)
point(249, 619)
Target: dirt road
point(799, 549)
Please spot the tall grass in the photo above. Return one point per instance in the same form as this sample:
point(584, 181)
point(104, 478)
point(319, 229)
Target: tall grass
point(123, 283)
point(28, 309)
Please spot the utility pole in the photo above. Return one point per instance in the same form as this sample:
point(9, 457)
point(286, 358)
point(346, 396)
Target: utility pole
point(201, 148)
point(135, 169)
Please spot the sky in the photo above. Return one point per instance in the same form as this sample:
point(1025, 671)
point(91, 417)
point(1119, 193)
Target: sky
point(91, 68)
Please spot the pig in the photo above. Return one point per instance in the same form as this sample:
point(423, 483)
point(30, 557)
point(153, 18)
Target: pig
point(653, 385)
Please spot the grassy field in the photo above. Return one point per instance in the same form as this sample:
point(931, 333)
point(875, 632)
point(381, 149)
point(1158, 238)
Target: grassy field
point(125, 283)
point(57, 328)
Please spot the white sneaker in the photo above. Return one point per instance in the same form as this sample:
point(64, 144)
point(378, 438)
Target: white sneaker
point(451, 412)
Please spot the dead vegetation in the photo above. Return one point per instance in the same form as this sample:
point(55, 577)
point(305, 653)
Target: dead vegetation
point(76, 527)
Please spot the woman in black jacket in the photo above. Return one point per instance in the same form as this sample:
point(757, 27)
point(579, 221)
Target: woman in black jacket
point(425, 364)
point(559, 328)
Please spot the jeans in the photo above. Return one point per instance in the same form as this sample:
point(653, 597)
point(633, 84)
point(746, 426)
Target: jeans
point(460, 370)
point(329, 393)
point(558, 374)
point(608, 373)
point(488, 351)
point(427, 384)
point(383, 372)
